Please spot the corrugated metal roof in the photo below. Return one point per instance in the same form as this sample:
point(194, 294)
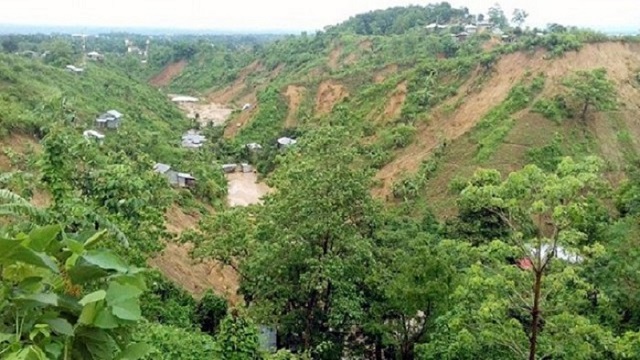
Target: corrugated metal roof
point(161, 168)
point(115, 113)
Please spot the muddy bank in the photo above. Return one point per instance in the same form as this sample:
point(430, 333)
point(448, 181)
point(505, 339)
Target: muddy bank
point(244, 189)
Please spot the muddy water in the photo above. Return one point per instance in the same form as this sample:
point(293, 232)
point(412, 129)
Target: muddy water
point(244, 189)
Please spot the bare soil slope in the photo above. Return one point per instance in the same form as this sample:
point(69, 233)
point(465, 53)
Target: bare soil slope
point(620, 60)
point(196, 277)
point(169, 73)
point(329, 94)
point(294, 94)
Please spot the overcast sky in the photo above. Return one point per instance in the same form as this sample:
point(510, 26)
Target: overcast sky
point(291, 15)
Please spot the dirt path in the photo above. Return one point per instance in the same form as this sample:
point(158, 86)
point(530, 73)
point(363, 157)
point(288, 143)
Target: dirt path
point(295, 95)
point(329, 94)
point(169, 73)
point(244, 189)
point(196, 277)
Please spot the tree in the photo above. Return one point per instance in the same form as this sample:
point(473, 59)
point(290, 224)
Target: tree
point(497, 16)
point(303, 275)
point(518, 310)
point(519, 17)
point(10, 45)
point(591, 89)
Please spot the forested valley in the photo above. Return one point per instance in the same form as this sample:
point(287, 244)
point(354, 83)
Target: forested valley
point(414, 183)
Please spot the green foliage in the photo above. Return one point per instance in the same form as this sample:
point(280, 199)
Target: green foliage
point(46, 308)
point(211, 309)
point(237, 339)
point(547, 157)
point(496, 124)
point(591, 89)
point(553, 109)
point(174, 343)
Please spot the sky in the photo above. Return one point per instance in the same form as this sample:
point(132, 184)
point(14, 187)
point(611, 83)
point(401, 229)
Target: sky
point(290, 15)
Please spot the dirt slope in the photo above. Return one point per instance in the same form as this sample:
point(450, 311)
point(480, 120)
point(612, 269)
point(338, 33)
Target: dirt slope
point(239, 86)
point(620, 60)
point(334, 58)
point(169, 73)
point(383, 74)
point(394, 104)
point(329, 94)
point(193, 276)
point(294, 95)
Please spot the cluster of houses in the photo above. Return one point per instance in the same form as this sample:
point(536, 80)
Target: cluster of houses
point(74, 69)
point(175, 178)
point(471, 29)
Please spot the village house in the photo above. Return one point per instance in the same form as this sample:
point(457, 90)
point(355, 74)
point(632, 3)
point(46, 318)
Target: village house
point(435, 27)
point(111, 119)
point(193, 140)
point(95, 56)
point(285, 142)
point(471, 29)
point(175, 178)
point(75, 70)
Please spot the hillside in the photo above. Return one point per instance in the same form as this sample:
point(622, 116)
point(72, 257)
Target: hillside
point(415, 183)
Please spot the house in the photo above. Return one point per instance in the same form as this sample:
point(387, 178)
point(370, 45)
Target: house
point(483, 26)
point(183, 99)
point(74, 69)
point(471, 29)
point(462, 36)
point(193, 140)
point(95, 56)
point(175, 178)
point(92, 134)
point(435, 27)
point(246, 107)
point(284, 142)
point(229, 168)
point(111, 119)
point(186, 180)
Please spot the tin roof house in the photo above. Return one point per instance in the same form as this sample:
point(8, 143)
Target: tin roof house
point(175, 178)
point(193, 140)
point(111, 119)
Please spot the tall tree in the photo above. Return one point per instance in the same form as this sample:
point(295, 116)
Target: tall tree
point(526, 293)
point(497, 16)
point(519, 17)
point(591, 90)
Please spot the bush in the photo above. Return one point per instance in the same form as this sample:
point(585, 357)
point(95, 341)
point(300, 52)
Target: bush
point(209, 312)
point(553, 109)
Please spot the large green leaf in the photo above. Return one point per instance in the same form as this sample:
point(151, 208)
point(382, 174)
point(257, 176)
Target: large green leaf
point(117, 293)
point(41, 238)
point(96, 264)
point(88, 314)
point(13, 250)
point(105, 320)
point(94, 239)
point(42, 299)
point(4, 337)
point(93, 297)
point(60, 326)
point(127, 310)
point(134, 352)
point(93, 344)
point(31, 352)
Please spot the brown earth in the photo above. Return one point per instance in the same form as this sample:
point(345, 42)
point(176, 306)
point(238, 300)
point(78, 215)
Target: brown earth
point(334, 58)
point(196, 277)
point(329, 94)
point(383, 74)
point(394, 104)
point(41, 199)
point(211, 113)
point(244, 189)
point(18, 143)
point(239, 86)
point(620, 60)
point(294, 94)
point(366, 45)
point(169, 73)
